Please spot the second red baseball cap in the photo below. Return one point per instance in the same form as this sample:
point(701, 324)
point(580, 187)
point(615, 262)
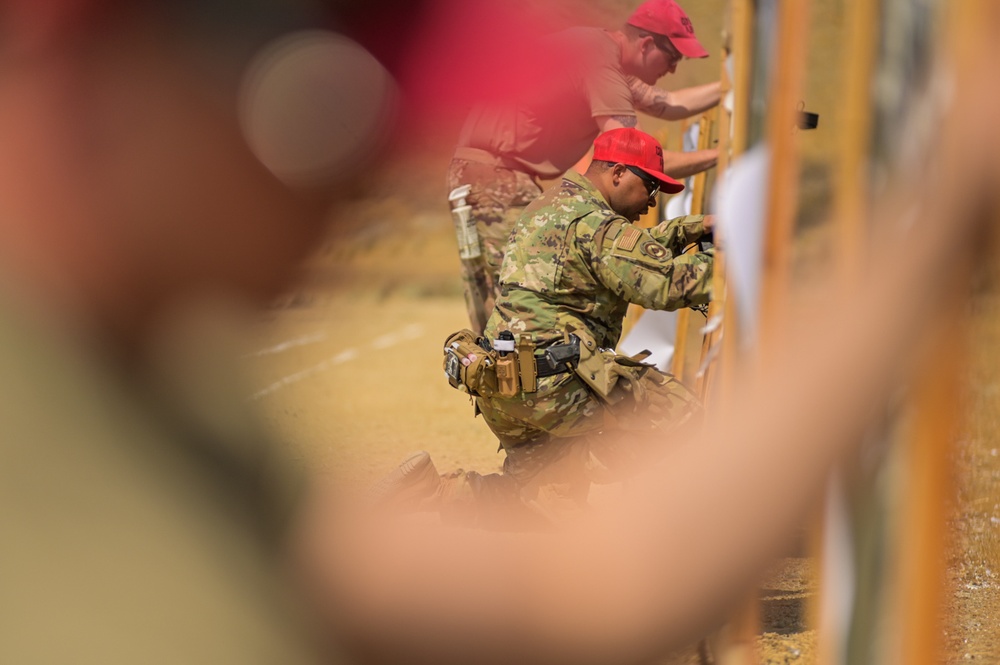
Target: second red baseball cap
point(665, 17)
point(632, 147)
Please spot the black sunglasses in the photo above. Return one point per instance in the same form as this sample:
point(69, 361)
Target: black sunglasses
point(664, 45)
point(652, 185)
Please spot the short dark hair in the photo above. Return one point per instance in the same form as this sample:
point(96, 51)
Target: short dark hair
point(600, 166)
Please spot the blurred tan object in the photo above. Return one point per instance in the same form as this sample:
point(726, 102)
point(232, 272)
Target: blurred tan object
point(830, 610)
point(295, 116)
point(143, 509)
point(970, 36)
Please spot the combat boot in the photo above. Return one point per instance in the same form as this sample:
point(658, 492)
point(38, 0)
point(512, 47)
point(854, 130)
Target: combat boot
point(410, 486)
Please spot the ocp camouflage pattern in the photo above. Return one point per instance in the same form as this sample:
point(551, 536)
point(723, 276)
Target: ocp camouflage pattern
point(572, 266)
point(568, 269)
point(498, 196)
point(539, 428)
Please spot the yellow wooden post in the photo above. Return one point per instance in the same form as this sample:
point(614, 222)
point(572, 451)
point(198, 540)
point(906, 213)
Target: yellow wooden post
point(678, 365)
point(919, 587)
point(850, 205)
point(713, 338)
point(854, 136)
point(787, 81)
point(741, 14)
point(737, 641)
point(699, 180)
point(782, 196)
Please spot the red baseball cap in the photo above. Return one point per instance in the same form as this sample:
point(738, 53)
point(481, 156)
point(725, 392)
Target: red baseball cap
point(629, 146)
point(665, 17)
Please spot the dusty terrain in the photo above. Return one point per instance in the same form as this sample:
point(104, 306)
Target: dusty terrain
point(973, 595)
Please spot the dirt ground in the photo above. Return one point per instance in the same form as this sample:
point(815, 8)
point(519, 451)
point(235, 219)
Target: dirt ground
point(972, 607)
point(348, 374)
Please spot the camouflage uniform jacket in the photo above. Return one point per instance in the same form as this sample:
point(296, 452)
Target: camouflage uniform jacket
point(573, 265)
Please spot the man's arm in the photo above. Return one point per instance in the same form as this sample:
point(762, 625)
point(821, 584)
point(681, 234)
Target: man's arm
point(608, 122)
point(645, 271)
point(677, 105)
point(674, 104)
point(683, 164)
point(675, 164)
point(677, 233)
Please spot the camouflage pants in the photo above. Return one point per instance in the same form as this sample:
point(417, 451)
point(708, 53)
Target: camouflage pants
point(498, 196)
point(563, 438)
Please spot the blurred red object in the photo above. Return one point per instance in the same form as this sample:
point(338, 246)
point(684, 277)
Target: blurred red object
point(449, 55)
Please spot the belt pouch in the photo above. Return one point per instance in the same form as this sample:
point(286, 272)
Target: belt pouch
point(526, 363)
point(507, 383)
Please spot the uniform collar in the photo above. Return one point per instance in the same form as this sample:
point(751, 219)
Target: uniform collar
point(584, 183)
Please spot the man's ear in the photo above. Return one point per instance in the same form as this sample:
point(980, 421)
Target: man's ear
point(617, 173)
point(30, 27)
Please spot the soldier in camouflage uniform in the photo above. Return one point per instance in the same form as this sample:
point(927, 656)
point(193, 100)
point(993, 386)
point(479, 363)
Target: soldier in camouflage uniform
point(574, 263)
point(588, 80)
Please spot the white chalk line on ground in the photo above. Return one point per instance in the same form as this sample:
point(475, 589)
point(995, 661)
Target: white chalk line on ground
point(411, 331)
point(408, 333)
point(290, 344)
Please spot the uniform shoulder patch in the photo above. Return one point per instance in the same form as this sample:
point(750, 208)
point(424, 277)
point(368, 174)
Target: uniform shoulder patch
point(654, 250)
point(628, 239)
